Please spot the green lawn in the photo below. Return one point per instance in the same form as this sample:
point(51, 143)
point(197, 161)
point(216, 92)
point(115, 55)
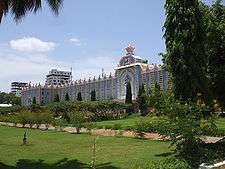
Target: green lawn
point(221, 123)
point(60, 150)
point(131, 120)
point(124, 123)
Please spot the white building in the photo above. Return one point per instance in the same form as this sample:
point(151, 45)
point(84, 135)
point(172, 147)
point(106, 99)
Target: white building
point(56, 77)
point(5, 105)
point(113, 86)
point(16, 88)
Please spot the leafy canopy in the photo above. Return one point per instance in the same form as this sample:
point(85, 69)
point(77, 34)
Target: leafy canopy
point(185, 58)
point(20, 8)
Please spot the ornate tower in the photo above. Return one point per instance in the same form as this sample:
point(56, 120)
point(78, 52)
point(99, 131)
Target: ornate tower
point(129, 69)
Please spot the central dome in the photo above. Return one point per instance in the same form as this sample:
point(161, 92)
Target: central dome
point(130, 58)
point(130, 50)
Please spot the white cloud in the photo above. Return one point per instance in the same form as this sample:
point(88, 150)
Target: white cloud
point(76, 41)
point(25, 67)
point(31, 44)
point(33, 67)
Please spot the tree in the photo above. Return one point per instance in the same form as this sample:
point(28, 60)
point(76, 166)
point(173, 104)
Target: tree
point(128, 99)
point(185, 58)
point(79, 96)
point(93, 95)
point(185, 126)
point(156, 99)
point(77, 119)
point(215, 45)
point(9, 98)
point(142, 100)
point(24, 117)
point(59, 123)
point(56, 99)
point(47, 119)
point(157, 89)
point(128, 93)
point(34, 100)
point(67, 98)
point(20, 8)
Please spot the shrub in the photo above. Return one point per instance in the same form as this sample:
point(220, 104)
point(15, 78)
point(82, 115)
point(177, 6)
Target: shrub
point(142, 100)
point(11, 110)
point(152, 124)
point(103, 110)
point(60, 108)
point(158, 100)
point(89, 126)
point(59, 123)
point(116, 126)
point(77, 120)
point(107, 127)
point(9, 118)
point(25, 117)
point(56, 98)
point(94, 111)
point(208, 127)
point(37, 108)
point(169, 163)
point(186, 124)
point(46, 119)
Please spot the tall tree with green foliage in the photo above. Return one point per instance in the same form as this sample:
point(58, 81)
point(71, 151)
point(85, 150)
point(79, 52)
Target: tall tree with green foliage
point(142, 100)
point(215, 45)
point(156, 99)
point(79, 96)
point(57, 99)
point(128, 99)
point(185, 58)
point(93, 95)
point(67, 97)
point(20, 8)
point(34, 100)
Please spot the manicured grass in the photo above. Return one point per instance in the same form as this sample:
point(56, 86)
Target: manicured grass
point(131, 121)
point(221, 123)
point(52, 146)
point(123, 123)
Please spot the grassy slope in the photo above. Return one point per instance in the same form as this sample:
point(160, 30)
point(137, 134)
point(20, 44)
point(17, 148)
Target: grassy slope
point(54, 146)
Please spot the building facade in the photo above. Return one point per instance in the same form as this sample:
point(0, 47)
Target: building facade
point(16, 88)
point(56, 77)
point(130, 68)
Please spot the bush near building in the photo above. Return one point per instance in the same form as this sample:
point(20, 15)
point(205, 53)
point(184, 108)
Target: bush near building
point(94, 111)
point(11, 110)
point(9, 98)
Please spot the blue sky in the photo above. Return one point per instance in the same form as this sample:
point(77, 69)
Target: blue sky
point(87, 35)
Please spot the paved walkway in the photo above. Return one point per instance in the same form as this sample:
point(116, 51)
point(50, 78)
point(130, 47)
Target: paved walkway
point(102, 132)
point(109, 132)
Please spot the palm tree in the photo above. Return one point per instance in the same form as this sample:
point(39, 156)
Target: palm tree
point(19, 8)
